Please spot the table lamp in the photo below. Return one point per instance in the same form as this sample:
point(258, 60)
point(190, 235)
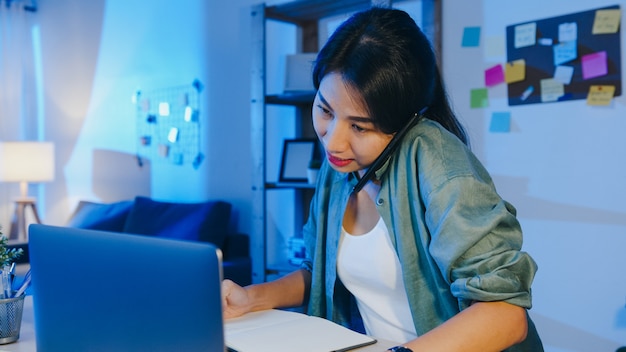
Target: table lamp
point(25, 162)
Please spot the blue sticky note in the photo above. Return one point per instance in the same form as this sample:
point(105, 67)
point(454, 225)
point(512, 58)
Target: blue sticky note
point(564, 52)
point(471, 36)
point(500, 122)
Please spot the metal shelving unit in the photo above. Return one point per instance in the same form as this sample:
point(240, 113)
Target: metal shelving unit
point(305, 14)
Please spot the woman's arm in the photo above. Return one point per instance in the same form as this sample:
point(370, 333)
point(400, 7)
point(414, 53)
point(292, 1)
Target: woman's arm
point(483, 327)
point(288, 291)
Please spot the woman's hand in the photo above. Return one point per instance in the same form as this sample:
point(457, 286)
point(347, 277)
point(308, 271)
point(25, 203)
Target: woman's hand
point(288, 291)
point(235, 299)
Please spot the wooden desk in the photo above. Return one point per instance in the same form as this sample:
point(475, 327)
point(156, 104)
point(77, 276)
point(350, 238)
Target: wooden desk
point(26, 342)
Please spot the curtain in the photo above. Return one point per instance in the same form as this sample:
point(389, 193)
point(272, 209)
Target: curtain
point(17, 79)
point(17, 87)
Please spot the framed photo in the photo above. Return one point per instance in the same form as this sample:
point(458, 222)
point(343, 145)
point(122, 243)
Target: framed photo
point(295, 160)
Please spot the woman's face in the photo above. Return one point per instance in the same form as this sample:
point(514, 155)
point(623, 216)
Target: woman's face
point(342, 124)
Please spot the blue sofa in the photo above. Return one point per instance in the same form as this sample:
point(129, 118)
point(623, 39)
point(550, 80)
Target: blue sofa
point(207, 222)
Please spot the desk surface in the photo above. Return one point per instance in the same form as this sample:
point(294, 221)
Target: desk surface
point(26, 342)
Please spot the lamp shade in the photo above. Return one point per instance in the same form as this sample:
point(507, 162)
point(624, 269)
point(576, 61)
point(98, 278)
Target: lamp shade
point(26, 161)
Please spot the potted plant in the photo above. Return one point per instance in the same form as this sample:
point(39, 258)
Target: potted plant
point(11, 308)
point(7, 258)
point(313, 169)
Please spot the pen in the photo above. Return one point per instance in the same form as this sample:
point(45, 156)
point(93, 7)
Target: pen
point(6, 283)
point(24, 286)
point(11, 275)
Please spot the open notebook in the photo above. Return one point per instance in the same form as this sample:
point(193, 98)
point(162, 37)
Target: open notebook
point(285, 331)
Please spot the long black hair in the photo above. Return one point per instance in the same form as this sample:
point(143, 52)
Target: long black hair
point(383, 55)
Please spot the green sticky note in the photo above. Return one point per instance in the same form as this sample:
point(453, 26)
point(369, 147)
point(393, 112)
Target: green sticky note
point(479, 98)
point(500, 122)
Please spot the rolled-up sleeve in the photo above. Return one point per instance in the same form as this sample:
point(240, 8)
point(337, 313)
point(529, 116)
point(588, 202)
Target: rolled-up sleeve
point(476, 243)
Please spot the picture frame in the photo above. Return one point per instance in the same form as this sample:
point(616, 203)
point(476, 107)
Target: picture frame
point(295, 159)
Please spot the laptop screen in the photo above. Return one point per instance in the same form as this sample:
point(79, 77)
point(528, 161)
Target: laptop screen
point(102, 291)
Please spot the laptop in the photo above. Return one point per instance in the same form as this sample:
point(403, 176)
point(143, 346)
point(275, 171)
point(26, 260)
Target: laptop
point(103, 291)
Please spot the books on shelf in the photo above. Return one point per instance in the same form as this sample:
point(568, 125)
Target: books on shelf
point(286, 331)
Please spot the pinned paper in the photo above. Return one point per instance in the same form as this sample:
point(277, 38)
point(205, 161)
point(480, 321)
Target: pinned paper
point(500, 122)
point(172, 135)
point(568, 32)
point(564, 52)
point(164, 109)
point(163, 150)
point(479, 98)
point(145, 105)
point(564, 74)
point(515, 71)
point(551, 90)
point(606, 21)
point(525, 35)
point(594, 65)
point(471, 36)
point(494, 75)
point(600, 95)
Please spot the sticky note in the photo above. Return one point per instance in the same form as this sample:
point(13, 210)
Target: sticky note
point(479, 98)
point(600, 95)
point(525, 35)
point(551, 90)
point(515, 71)
point(594, 65)
point(564, 52)
point(471, 36)
point(500, 122)
point(564, 74)
point(606, 21)
point(568, 32)
point(494, 75)
point(495, 46)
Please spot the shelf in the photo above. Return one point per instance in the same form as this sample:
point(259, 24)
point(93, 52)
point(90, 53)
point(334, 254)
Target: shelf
point(296, 98)
point(287, 185)
point(303, 11)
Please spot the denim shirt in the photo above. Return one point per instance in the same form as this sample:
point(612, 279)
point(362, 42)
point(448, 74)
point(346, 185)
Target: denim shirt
point(457, 240)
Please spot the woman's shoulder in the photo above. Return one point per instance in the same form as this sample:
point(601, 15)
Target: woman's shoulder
point(430, 139)
point(439, 154)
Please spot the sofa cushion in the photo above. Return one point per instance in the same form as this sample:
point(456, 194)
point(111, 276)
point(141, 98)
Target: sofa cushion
point(207, 221)
point(101, 216)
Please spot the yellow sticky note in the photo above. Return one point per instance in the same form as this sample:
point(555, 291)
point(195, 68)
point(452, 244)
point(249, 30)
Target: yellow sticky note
point(600, 95)
point(515, 71)
point(606, 21)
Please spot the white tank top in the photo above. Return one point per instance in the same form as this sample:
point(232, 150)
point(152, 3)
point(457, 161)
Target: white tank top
point(369, 268)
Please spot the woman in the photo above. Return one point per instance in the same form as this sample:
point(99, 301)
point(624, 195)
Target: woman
point(406, 232)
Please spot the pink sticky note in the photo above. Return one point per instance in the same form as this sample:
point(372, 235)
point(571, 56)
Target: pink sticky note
point(594, 65)
point(494, 75)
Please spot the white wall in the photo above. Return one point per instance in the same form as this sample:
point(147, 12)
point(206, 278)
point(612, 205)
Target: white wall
point(562, 166)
